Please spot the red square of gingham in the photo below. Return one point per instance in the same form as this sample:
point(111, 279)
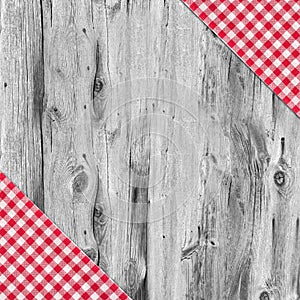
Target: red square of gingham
point(264, 34)
point(38, 261)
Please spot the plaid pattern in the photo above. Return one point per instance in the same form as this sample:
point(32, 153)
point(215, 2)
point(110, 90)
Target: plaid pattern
point(38, 261)
point(264, 34)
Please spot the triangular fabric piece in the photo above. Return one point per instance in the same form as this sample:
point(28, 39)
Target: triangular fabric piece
point(264, 34)
point(38, 261)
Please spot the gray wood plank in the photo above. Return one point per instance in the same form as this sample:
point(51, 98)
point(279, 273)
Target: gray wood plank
point(21, 95)
point(71, 180)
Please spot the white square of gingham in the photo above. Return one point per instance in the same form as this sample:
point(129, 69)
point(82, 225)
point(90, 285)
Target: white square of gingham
point(38, 261)
point(264, 34)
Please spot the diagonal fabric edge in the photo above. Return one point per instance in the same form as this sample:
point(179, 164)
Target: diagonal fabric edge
point(38, 261)
point(287, 88)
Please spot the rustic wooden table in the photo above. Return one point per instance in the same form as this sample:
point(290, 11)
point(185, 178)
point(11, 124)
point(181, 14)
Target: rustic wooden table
point(183, 187)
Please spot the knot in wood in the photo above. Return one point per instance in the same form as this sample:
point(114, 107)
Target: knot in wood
point(98, 212)
point(100, 218)
point(279, 178)
point(98, 85)
point(55, 113)
point(80, 182)
point(131, 275)
point(264, 296)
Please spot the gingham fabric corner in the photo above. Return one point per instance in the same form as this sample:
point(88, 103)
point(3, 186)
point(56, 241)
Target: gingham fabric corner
point(38, 261)
point(264, 34)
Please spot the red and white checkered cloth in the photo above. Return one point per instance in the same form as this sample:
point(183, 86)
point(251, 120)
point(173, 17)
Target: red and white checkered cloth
point(38, 261)
point(264, 34)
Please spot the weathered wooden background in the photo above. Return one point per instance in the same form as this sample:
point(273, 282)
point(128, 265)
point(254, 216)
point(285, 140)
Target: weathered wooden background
point(175, 195)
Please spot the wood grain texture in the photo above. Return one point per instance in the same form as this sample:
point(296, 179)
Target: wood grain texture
point(71, 181)
point(21, 95)
point(162, 155)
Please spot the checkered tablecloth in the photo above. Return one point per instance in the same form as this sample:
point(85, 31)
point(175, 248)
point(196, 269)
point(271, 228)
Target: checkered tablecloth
point(264, 34)
point(37, 261)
